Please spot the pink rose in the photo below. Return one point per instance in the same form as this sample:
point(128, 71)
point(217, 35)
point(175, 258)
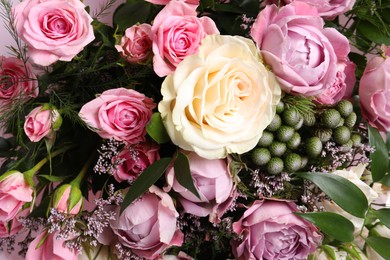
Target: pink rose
point(328, 9)
point(119, 113)
point(302, 53)
point(68, 199)
point(133, 160)
point(41, 122)
point(52, 248)
point(148, 226)
point(14, 193)
point(53, 29)
point(374, 93)
point(214, 184)
point(10, 228)
point(17, 81)
point(270, 230)
point(136, 44)
point(177, 33)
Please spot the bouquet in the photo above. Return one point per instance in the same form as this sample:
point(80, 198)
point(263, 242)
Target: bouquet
point(196, 129)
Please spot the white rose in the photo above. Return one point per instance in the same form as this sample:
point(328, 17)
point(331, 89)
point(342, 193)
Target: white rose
point(220, 100)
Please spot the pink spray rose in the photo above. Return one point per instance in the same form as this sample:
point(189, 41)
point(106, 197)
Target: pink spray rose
point(53, 29)
point(270, 230)
point(68, 199)
point(177, 33)
point(374, 93)
point(136, 44)
point(148, 226)
point(119, 113)
point(14, 193)
point(41, 122)
point(134, 160)
point(9, 228)
point(52, 248)
point(302, 53)
point(213, 182)
point(17, 81)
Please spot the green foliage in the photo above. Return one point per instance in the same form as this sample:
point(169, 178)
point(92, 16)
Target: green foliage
point(383, 215)
point(380, 245)
point(183, 173)
point(379, 158)
point(156, 129)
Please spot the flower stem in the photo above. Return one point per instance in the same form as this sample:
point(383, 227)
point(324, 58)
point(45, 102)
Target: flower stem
point(76, 182)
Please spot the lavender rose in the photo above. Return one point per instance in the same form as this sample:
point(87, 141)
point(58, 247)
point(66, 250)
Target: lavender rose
point(270, 230)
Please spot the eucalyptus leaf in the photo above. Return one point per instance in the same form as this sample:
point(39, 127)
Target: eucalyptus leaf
point(342, 191)
point(183, 173)
point(331, 224)
point(379, 158)
point(156, 129)
point(380, 245)
point(384, 216)
point(145, 180)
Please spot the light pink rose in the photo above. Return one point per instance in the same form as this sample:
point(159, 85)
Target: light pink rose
point(213, 182)
point(53, 29)
point(177, 33)
point(302, 53)
point(148, 226)
point(17, 81)
point(52, 248)
point(136, 44)
point(374, 93)
point(10, 228)
point(270, 230)
point(119, 113)
point(133, 160)
point(328, 9)
point(14, 193)
point(41, 122)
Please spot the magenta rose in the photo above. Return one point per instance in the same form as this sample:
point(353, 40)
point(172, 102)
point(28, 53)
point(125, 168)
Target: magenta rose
point(14, 193)
point(133, 160)
point(374, 93)
point(41, 122)
point(10, 228)
point(17, 81)
point(53, 29)
point(177, 33)
point(51, 248)
point(148, 226)
point(302, 53)
point(213, 182)
point(270, 230)
point(136, 45)
point(119, 113)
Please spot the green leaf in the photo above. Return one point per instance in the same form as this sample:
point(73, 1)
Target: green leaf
point(183, 173)
point(155, 128)
point(380, 245)
point(384, 216)
point(331, 224)
point(53, 178)
point(342, 191)
point(131, 13)
point(386, 180)
point(145, 180)
point(379, 158)
point(373, 33)
point(388, 141)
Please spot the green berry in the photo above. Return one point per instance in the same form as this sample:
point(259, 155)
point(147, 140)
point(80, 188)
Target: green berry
point(344, 107)
point(280, 107)
point(341, 135)
point(294, 142)
point(275, 165)
point(356, 139)
point(350, 120)
point(299, 124)
point(330, 118)
point(291, 117)
point(304, 161)
point(266, 139)
point(347, 146)
point(277, 149)
point(285, 133)
point(313, 147)
point(324, 134)
point(309, 119)
point(260, 156)
point(275, 123)
point(292, 162)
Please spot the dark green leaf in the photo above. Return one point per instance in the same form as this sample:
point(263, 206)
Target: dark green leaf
point(183, 173)
point(384, 216)
point(130, 14)
point(373, 33)
point(379, 158)
point(388, 141)
point(342, 191)
point(53, 178)
point(156, 129)
point(331, 224)
point(380, 245)
point(145, 180)
point(386, 180)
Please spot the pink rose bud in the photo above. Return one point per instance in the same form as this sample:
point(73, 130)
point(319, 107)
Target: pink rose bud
point(41, 122)
point(136, 45)
point(14, 193)
point(68, 199)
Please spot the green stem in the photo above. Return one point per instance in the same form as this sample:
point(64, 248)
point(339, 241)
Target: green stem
point(76, 182)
